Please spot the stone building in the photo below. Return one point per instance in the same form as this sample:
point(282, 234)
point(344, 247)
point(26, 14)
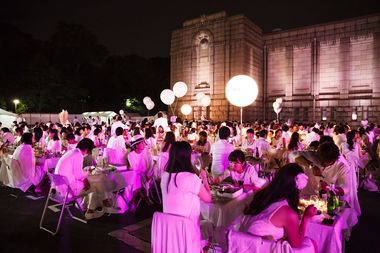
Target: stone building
point(323, 72)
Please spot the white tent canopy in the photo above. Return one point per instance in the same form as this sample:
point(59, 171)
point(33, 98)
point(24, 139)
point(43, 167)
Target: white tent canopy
point(7, 118)
point(104, 116)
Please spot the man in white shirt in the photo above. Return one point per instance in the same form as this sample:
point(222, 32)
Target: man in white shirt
point(117, 124)
point(243, 173)
point(312, 136)
point(117, 141)
point(329, 166)
point(261, 145)
point(70, 165)
point(161, 121)
point(220, 151)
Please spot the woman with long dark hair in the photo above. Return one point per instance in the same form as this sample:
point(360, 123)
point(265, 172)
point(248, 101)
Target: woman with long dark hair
point(182, 189)
point(273, 212)
point(293, 147)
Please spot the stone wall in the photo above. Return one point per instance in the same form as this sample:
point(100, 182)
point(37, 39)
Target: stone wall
point(328, 70)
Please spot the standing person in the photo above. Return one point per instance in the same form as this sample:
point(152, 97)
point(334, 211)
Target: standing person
point(203, 147)
point(220, 151)
point(116, 124)
point(274, 212)
point(161, 121)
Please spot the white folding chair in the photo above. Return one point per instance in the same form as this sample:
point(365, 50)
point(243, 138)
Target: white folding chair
point(243, 242)
point(65, 200)
point(172, 233)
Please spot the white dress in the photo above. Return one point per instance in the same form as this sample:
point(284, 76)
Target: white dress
point(261, 225)
point(181, 197)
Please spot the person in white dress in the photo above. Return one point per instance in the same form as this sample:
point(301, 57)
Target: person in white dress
point(274, 214)
point(182, 189)
point(247, 144)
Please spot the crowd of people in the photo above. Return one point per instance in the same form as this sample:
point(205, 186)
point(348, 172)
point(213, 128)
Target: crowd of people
point(302, 159)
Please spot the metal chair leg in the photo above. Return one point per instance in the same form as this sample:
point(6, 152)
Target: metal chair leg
point(60, 216)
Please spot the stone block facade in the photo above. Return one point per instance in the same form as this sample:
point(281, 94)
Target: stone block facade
point(323, 71)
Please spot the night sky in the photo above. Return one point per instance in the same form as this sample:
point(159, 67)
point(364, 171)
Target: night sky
point(144, 27)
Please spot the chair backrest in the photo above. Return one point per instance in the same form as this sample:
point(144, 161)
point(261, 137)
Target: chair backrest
point(239, 242)
point(173, 233)
point(61, 184)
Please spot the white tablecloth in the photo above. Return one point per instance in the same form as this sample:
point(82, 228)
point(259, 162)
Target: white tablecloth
point(329, 238)
point(223, 212)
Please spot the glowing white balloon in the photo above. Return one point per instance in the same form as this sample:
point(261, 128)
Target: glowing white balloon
point(150, 105)
point(354, 116)
point(278, 110)
point(167, 97)
point(180, 89)
point(276, 105)
point(205, 101)
point(199, 96)
point(146, 100)
point(279, 100)
point(241, 90)
point(121, 112)
point(186, 109)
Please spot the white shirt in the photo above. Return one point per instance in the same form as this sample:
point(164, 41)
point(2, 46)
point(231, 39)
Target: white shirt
point(262, 145)
point(117, 142)
point(161, 122)
point(248, 176)
point(310, 137)
point(54, 146)
point(115, 126)
point(182, 199)
point(220, 151)
point(25, 157)
point(141, 163)
point(70, 165)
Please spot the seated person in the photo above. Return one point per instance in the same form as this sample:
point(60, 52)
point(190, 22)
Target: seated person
point(182, 189)
point(117, 141)
point(273, 212)
point(140, 160)
point(54, 144)
point(71, 143)
point(242, 173)
point(70, 165)
point(247, 144)
point(29, 174)
point(7, 136)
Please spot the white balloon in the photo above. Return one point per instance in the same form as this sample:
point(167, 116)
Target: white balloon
point(279, 100)
point(276, 105)
point(241, 90)
point(180, 89)
point(150, 105)
point(205, 101)
point(146, 100)
point(278, 110)
point(167, 97)
point(121, 112)
point(199, 96)
point(173, 119)
point(186, 109)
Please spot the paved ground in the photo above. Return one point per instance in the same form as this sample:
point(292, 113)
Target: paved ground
point(19, 228)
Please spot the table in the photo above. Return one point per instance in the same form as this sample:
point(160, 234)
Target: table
point(222, 212)
point(329, 238)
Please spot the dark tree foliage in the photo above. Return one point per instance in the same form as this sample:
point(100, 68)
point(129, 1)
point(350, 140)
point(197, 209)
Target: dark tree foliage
point(73, 70)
